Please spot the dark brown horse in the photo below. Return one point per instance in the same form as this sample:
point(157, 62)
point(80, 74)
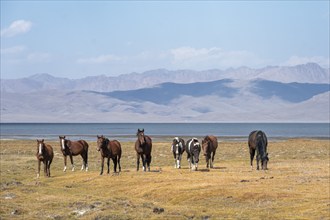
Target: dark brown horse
point(209, 145)
point(109, 149)
point(258, 141)
point(143, 147)
point(74, 148)
point(45, 154)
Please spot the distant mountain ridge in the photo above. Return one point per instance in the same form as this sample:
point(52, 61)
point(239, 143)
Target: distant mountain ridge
point(306, 73)
point(297, 94)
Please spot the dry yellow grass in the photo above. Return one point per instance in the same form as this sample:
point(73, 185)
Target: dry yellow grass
point(296, 186)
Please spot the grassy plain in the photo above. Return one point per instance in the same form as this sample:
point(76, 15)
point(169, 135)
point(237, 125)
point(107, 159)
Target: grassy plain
point(296, 186)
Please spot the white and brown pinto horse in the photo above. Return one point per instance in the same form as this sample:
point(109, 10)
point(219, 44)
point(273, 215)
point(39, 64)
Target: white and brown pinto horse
point(109, 149)
point(143, 147)
point(193, 149)
point(74, 148)
point(209, 146)
point(177, 150)
point(44, 154)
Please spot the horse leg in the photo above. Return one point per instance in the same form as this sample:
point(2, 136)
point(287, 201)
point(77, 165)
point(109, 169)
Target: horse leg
point(189, 162)
point(148, 158)
point(207, 162)
point(38, 174)
point(64, 156)
point(119, 164)
point(49, 165)
point(85, 159)
point(143, 157)
point(45, 167)
point(114, 160)
point(211, 160)
point(102, 165)
point(83, 163)
point(137, 162)
point(108, 163)
point(252, 152)
point(175, 163)
point(179, 161)
point(258, 160)
point(71, 159)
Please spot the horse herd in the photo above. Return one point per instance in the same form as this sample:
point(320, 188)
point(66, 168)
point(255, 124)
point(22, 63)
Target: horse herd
point(143, 146)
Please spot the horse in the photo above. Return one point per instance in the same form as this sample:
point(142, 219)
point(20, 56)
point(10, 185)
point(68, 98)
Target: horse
point(74, 148)
point(209, 145)
point(45, 154)
point(258, 141)
point(109, 149)
point(143, 147)
point(177, 150)
point(193, 149)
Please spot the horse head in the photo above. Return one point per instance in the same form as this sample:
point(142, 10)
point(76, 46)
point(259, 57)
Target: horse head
point(40, 148)
point(100, 142)
point(264, 161)
point(62, 142)
point(140, 135)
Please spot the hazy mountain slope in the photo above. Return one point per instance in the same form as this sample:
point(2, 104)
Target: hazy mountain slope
point(166, 92)
point(308, 73)
point(223, 100)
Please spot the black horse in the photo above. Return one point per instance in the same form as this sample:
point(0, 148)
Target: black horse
point(143, 147)
point(177, 150)
point(258, 141)
point(193, 149)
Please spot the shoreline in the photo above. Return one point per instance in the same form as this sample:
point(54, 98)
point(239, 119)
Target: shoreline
point(155, 138)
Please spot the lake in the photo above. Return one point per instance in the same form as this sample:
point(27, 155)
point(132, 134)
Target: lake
point(162, 131)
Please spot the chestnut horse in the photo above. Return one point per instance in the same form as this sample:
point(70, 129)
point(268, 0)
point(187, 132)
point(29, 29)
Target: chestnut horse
point(209, 146)
point(74, 148)
point(45, 154)
point(258, 141)
point(143, 147)
point(109, 149)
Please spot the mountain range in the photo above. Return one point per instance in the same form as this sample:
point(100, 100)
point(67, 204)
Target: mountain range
point(271, 94)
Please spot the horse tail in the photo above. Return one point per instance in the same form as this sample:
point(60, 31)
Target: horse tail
point(261, 142)
point(119, 149)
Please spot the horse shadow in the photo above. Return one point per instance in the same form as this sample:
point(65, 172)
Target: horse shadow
point(219, 168)
point(203, 170)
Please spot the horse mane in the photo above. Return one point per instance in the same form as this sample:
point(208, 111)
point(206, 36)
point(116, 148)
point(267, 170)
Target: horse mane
point(207, 138)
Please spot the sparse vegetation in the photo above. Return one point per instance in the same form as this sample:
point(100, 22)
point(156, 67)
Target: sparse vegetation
point(295, 186)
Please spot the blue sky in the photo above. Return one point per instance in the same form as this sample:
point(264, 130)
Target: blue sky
point(77, 39)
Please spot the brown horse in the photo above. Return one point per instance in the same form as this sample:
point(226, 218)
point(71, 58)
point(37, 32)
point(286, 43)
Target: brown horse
point(45, 154)
point(109, 149)
point(209, 145)
point(258, 141)
point(74, 148)
point(143, 147)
